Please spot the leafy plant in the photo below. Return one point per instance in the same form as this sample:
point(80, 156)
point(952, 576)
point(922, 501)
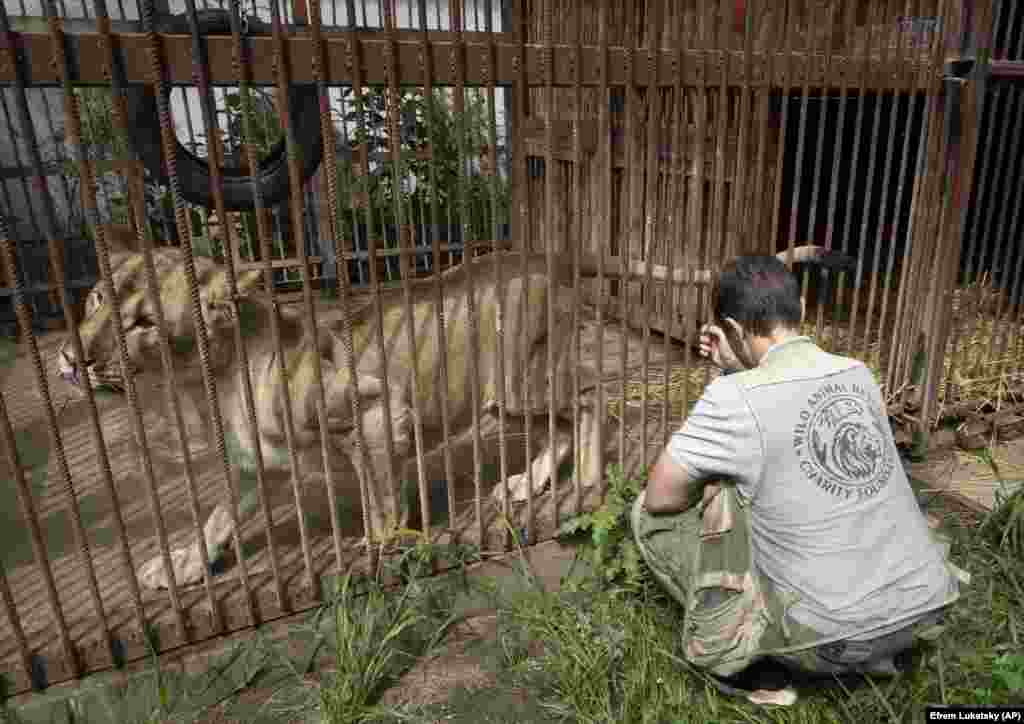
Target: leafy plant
point(609, 549)
point(451, 174)
point(378, 636)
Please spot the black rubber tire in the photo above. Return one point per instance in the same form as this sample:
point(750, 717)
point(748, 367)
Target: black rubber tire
point(194, 173)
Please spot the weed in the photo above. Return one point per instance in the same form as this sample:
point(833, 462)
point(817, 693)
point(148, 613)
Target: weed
point(609, 551)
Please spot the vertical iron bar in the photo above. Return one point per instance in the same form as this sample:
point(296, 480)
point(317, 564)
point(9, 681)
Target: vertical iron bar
point(1007, 203)
point(298, 228)
point(549, 233)
point(169, 140)
point(632, 189)
point(606, 161)
point(201, 73)
point(393, 111)
point(11, 609)
point(739, 192)
point(355, 59)
point(576, 240)
point(801, 134)
point(87, 388)
point(885, 43)
point(80, 534)
point(519, 131)
point(865, 71)
point(426, 51)
point(14, 459)
point(677, 242)
point(654, 111)
point(887, 356)
point(785, 78)
point(489, 72)
point(458, 61)
point(73, 119)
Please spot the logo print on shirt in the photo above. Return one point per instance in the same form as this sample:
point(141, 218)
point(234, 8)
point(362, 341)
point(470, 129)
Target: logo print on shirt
point(841, 442)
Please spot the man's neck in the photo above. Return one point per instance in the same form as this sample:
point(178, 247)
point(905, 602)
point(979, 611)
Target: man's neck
point(759, 346)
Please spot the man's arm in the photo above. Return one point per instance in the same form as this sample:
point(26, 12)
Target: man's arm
point(670, 489)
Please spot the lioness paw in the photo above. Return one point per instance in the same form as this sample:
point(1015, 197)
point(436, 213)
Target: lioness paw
point(187, 564)
point(518, 488)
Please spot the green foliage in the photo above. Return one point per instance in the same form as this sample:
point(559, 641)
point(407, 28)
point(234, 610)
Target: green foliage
point(378, 636)
point(609, 550)
point(446, 176)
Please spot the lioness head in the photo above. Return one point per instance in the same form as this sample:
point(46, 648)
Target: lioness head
point(101, 359)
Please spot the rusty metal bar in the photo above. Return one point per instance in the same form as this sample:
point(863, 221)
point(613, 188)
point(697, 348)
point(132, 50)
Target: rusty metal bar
point(549, 233)
point(830, 228)
point(84, 57)
point(801, 135)
point(887, 357)
point(438, 284)
point(11, 609)
point(89, 197)
point(784, 78)
point(994, 241)
point(824, 277)
point(284, 62)
point(677, 243)
point(523, 182)
point(631, 189)
point(740, 192)
point(700, 96)
point(654, 111)
point(754, 219)
point(392, 110)
point(499, 270)
point(929, 319)
point(605, 159)
point(862, 93)
point(577, 243)
point(721, 114)
point(1006, 203)
point(10, 444)
point(330, 162)
point(885, 44)
point(958, 158)
point(80, 534)
point(94, 415)
point(458, 59)
point(215, 159)
point(1015, 297)
point(168, 137)
point(357, 62)
point(902, 343)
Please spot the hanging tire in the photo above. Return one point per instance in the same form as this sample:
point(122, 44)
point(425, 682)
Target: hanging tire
point(193, 172)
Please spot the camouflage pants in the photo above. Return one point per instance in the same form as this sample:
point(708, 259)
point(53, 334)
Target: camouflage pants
point(735, 616)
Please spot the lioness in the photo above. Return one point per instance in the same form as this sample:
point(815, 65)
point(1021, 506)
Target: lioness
point(102, 366)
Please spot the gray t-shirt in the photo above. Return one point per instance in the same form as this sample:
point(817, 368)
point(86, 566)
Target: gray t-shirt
point(834, 522)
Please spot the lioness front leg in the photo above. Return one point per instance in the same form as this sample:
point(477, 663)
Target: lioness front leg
point(187, 562)
point(541, 468)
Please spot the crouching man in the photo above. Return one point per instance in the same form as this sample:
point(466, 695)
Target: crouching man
point(780, 516)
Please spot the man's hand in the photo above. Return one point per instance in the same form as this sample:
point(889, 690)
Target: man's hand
point(714, 345)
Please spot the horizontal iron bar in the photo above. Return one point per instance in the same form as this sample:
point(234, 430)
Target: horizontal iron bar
point(47, 288)
point(89, 62)
point(1007, 69)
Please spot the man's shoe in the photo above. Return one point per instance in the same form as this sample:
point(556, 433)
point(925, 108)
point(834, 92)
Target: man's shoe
point(763, 682)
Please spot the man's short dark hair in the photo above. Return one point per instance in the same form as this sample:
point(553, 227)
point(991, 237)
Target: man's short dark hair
point(759, 292)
